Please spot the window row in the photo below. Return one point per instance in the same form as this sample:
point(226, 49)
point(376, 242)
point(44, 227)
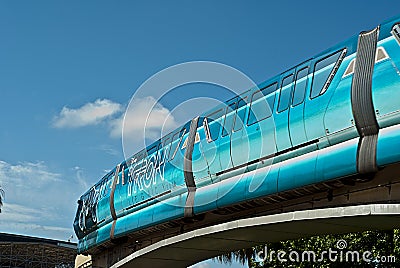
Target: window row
point(292, 92)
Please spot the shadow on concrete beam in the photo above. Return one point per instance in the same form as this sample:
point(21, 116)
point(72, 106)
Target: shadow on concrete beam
point(189, 248)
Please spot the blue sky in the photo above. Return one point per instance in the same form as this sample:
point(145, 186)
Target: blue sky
point(69, 68)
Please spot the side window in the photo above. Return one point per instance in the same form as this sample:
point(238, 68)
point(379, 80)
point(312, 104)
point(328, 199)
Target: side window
point(105, 184)
point(164, 146)
point(176, 140)
point(350, 68)
point(152, 150)
point(123, 169)
point(212, 125)
point(229, 117)
point(324, 72)
point(240, 114)
point(380, 55)
point(262, 104)
point(300, 87)
point(286, 92)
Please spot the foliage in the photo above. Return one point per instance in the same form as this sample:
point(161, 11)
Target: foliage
point(242, 256)
point(381, 244)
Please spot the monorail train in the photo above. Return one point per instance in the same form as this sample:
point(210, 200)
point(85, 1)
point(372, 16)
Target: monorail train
point(336, 115)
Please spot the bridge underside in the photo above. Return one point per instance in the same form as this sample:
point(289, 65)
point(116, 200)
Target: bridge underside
point(189, 248)
point(340, 206)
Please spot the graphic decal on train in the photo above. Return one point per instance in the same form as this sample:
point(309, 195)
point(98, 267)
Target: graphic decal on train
point(88, 211)
point(146, 172)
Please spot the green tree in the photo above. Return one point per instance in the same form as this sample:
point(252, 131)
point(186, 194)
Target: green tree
point(380, 243)
point(242, 256)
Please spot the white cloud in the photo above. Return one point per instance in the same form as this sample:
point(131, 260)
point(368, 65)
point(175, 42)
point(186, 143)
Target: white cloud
point(143, 114)
point(38, 201)
point(18, 213)
point(37, 230)
point(145, 119)
point(91, 113)
point(81, 180)
point(108, 149)
point(26, 171)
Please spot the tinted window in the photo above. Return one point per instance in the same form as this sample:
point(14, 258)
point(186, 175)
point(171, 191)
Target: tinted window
point(213, 121)
point(286, 92)
point(350, 68)
point(229, 117)
point(322, 70)
point(122, 169)
point(165, 146)
point(176, 140)
point(261, 107)
point(240, 114)
point(300, 87)
point(165, 142)
point(152, 150)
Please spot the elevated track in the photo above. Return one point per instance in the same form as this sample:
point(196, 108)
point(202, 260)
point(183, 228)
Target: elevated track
point(339, 206)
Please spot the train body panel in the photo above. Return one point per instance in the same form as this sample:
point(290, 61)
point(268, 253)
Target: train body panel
point(339, 120)
point(296, 114)
point(206, 198)
point(239, 142)
point(281, 111)
point(386, 86)
point(296, 129)
point(260, 125)
point(388, 144)
point(262, 182)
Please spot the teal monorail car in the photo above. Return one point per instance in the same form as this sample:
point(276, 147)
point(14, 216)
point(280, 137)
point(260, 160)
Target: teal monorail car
point(334, 116)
